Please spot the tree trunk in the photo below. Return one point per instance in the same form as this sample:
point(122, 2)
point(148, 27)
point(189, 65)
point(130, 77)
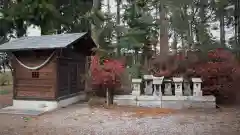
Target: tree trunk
point(201, 26)
point(164, 48)
point(135, 57)
point(20, 29)
point(174, 44)
point(237, 21)
point(222, 29)
point(109, 96)
point(118, 23)
point(197, 34)
point(94, 31)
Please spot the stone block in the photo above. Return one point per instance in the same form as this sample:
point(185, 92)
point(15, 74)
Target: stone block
point(147, 77)
point(174, 98)
point(202, 98)
point(124, 97)
point(158, 80)
point(156, 103)
point(196, 80)
point(125, 102)
point(177, 79)
point(148, 98)
point(172, 104)
point(136, 81)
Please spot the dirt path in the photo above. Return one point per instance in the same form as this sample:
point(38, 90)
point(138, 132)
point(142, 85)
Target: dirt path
point(82, 120)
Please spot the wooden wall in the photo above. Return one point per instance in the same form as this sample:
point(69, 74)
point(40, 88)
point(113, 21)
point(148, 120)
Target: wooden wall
point(63, 76)
point(27, 84)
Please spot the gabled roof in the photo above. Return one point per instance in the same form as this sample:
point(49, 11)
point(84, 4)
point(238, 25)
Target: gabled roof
point(44, 42)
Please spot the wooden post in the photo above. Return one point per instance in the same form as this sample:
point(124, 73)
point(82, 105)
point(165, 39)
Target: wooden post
point(107, 96)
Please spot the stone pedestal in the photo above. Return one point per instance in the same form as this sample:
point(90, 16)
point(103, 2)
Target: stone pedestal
point(136, 87)
point(168, 87)
point(157, 82)
point(197, 90)
point(148, 80)
point(178, 86)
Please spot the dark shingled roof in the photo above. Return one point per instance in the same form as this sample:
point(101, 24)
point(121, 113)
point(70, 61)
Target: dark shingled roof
point(42, 42)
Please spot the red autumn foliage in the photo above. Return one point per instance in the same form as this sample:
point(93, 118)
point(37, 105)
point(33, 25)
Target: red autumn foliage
point(106, 75)
point(219, 74)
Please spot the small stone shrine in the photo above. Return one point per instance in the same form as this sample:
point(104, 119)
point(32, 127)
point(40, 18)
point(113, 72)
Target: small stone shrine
point(136, 86)
point(178, 86)
point(197, 91)
point(148, 80)
point(157, 83)
point(168, 87)
point(180, 95)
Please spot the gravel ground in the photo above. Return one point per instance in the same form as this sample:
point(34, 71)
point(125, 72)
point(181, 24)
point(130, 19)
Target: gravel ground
point(82, 120)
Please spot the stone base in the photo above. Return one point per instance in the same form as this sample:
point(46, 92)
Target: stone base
point(125, 100)
point(181, 102)
point(45, 105)
point(173, 102)
point(149, 103)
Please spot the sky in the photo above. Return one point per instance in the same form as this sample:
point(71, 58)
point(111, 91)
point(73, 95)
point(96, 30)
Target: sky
point(35, 31)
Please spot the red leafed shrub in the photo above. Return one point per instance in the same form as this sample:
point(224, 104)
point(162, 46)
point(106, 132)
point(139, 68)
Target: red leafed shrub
point(219, 71)
point(107, 74)
point(219, 75)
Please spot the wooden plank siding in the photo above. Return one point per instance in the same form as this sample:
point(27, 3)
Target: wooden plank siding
point(26, 86)
point(62, 77)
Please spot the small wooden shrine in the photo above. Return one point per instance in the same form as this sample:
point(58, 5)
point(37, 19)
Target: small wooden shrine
point(49, 68)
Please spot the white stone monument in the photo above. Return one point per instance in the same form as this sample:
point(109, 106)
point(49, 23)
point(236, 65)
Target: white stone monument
point(168, 87)
point(197, 90)
point(136, 87)
point(178, 86)
point(148, 80)
point(157, 81)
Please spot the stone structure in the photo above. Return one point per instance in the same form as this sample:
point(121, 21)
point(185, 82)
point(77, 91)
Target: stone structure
point(178, 86)
point(148, 80)
point(168, 87)
point(136, 86)
point(197, 90)
point(157, 83)
point(159, 99)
